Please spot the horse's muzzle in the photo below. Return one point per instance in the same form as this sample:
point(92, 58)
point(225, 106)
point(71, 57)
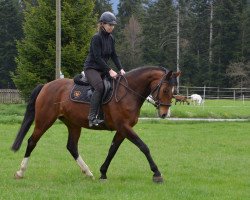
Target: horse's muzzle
point(163, 116)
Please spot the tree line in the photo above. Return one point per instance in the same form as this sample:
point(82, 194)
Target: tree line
point(209, 40)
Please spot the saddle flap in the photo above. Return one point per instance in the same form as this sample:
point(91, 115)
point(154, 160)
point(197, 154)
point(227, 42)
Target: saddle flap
point(79, 79)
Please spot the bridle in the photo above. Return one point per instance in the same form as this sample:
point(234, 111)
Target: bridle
point(157, 103)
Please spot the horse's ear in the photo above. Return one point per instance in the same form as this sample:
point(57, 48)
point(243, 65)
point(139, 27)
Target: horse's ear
point(169, 75)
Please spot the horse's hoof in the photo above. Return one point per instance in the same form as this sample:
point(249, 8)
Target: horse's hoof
point(17, 176)
point(88, 173)
point(157, 179)
point(91, 176)
point(103, 178)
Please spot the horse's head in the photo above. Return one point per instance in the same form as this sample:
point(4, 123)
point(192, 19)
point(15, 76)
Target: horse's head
point(163, 92)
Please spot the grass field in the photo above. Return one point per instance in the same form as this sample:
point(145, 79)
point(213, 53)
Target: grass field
point(208, 160)
point(226, 109)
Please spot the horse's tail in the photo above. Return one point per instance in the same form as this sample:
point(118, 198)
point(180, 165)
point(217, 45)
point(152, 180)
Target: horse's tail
point(28, 118)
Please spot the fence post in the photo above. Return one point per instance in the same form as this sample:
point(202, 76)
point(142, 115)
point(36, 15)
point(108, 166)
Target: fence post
point(204, 96)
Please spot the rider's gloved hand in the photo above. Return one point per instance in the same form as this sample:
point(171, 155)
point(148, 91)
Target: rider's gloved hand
point(112, 73)
point(122, 72)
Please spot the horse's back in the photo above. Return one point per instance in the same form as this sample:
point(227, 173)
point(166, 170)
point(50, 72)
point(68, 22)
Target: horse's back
point(55, 89)
point(53, 93)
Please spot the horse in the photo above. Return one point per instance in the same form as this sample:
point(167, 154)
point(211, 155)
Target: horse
point(196, 99)
point(181, 99)
point(51, 101)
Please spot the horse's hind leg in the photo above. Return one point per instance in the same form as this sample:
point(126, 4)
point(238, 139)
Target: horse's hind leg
point(116, 142)
point(41, 126)
point(72, 146)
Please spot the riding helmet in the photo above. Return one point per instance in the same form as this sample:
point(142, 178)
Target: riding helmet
point(108, 17)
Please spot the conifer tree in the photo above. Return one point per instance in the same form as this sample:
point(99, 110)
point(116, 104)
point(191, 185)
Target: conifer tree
point(10, 31)
point(227, 41)
point(102, 6)
point(159, 33)
point(36, 52)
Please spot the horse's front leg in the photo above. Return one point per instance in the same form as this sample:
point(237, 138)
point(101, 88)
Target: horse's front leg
point(134, 138)
point(116, 142)
point(72, 146)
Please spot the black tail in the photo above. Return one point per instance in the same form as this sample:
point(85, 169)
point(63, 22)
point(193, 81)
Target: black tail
point(28, 118)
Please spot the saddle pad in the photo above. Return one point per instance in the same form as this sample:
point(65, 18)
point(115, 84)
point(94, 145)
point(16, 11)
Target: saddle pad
point(83, 93)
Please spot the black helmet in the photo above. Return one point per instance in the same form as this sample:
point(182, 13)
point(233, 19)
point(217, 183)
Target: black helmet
point(108, 17)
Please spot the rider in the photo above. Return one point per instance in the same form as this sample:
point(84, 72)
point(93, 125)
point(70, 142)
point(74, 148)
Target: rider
point(102, 47)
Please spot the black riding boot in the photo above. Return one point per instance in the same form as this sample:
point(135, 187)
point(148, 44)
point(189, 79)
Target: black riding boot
point(94, 106)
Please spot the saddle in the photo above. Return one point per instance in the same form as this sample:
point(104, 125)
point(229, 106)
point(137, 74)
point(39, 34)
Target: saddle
point(82, 90)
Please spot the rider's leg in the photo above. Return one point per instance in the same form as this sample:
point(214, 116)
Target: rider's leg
point(95, 80)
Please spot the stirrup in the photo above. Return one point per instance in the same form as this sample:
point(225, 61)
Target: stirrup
point(95, 122)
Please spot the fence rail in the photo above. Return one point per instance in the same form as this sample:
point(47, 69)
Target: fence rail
point(10, 96)
point(13, 96)
point(216, 92)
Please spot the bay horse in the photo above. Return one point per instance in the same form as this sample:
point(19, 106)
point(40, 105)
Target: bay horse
point(181, 99)
point(51, 101)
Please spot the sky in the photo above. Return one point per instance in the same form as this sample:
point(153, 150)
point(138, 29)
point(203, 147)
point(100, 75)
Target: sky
point(115, 3)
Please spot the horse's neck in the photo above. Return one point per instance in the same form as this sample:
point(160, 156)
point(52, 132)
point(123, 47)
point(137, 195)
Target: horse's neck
point(141, 83)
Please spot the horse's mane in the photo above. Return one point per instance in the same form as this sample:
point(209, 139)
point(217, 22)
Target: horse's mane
point(139, 70)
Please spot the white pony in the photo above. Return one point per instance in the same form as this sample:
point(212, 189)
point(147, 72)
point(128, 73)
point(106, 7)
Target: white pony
point(196, 99)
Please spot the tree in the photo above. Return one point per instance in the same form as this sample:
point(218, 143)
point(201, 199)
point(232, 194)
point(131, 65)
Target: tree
point(239, 74)
point(130, 49)
point(10, 31)
point(245, 31)
point(159, 33)
point(227, 40)
point(101, 6)
point(36, 52)
point(127, 8)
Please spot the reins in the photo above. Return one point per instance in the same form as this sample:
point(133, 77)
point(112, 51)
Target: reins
point(156, 102)
point(126, 86)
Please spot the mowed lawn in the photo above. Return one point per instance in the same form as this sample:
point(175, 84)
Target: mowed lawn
point(216, 108)
point(201, 160)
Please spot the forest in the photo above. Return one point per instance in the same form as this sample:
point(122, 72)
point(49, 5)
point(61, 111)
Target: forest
point(208, 40)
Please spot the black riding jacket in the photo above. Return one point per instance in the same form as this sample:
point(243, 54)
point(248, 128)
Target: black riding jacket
point(102, 48)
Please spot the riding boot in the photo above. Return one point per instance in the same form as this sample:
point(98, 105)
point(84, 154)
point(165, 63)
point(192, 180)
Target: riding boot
point(94, 106)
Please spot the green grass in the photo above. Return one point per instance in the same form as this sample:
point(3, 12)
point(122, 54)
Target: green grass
point(208, 160)
point(12, 113)
point(225, 109)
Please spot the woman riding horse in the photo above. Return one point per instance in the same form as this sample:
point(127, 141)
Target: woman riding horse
point(51, 101)
point(102, 48)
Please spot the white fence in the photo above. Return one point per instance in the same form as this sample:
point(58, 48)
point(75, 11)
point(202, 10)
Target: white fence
point(10, 96)
point(13, 96)
point(216, 92)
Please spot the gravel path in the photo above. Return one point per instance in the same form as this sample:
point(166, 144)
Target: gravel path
point(197, 119)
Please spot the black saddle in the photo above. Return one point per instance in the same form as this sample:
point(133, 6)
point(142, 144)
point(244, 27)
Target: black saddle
point(82, 90)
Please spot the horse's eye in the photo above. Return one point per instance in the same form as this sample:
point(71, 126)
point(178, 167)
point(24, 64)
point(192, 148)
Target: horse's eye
point(165, 91)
